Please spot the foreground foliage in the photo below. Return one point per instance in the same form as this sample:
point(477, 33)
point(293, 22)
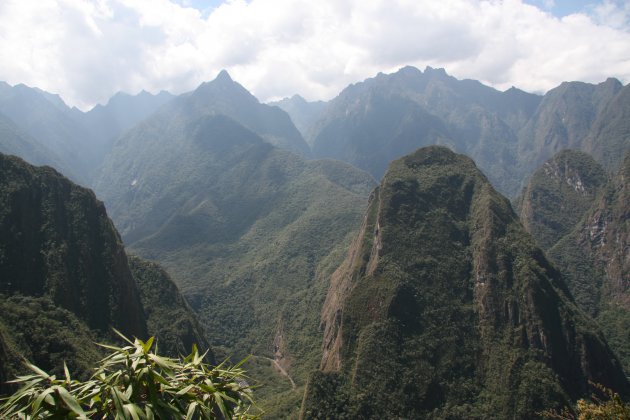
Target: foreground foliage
point(611, 407)
point(134, 382)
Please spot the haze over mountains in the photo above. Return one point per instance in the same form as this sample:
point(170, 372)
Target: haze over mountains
point(426, 291)
point(370, 123)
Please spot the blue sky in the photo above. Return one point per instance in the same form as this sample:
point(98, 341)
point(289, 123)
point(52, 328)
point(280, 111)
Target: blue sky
point(204, 6)
point(560, 8)
point(87, 50)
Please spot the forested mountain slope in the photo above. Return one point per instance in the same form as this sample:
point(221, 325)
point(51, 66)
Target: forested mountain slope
point(446, 308)
point(585, 230)
point(65, 280)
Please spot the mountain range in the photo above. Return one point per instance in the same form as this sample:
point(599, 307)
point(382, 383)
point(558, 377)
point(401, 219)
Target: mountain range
point(367, 274)
point(509, 134)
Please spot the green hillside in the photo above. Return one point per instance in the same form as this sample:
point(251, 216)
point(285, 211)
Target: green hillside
point(250, 232)
point(65, 280)
point(558, 194)
point(445, 308)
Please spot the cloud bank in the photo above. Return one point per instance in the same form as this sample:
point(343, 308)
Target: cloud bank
point(88, 50)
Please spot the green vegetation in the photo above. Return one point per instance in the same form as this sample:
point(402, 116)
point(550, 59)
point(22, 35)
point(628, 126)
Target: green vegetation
point(36, 329)
point(445, 308)
point(57, 241)
point(558, 194)
point(587, 232)
point(608, 405)
point(169, 318)
point(65, 279)
point(135, 382)
point(250, 233)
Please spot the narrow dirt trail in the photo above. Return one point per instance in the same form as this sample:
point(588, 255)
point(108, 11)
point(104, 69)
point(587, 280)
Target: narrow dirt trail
point(280, 369)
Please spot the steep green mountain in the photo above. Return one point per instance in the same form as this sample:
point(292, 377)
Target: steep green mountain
point(372, 122)
point(595, 261)
point(57, 241)
point(579, 215)
point(65, 280)
point(445, 308)
point(304, 114)
point(223, 96)
point(169, 317)
point(249, 231)
point(558, 194)
point(565, 119)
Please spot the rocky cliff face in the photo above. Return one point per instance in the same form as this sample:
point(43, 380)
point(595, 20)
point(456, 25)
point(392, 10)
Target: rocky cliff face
point(558, 194)
point(56, 240)
point(65, 279)
point(445, 307)
point(581, 218)
point(594, 257)
point(564, 119)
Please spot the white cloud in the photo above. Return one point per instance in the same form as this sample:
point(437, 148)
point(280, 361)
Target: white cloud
point(87, 50)
point(615, 14)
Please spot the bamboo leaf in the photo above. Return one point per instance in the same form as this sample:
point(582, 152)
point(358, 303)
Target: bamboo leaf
point(191, 410)
point(185, 390)
point(69, 400)
point(239, 364)
point(121, 335)
point(218, 399)
point(66, 372)
point(36, 370)
point(42, 397)
point(147, 346)
point(134, 411)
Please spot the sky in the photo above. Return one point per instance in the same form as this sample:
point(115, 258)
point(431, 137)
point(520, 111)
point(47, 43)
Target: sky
point(87, 50)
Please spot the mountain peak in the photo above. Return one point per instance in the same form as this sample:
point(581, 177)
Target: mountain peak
point(441, 262)
point(223, 76)
point(436, 72)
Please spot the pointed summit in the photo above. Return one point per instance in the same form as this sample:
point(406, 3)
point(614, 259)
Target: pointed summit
point(223, 76)
point(440, 288)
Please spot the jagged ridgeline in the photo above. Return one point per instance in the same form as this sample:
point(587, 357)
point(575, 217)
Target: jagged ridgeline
point(508, 134)
point(65, 280)
point(446, 308)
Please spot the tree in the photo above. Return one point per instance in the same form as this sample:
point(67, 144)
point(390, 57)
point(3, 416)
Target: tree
point(136, 383)
point(610, 408)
